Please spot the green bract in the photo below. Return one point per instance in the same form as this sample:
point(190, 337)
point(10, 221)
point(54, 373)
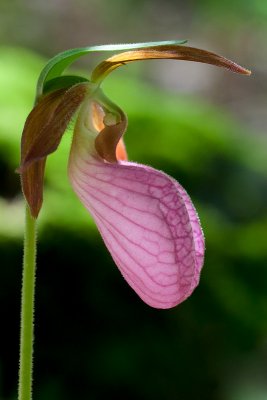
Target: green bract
point(56, 65)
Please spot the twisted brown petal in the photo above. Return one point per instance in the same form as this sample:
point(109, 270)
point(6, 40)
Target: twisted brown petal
point(109, 143)
point(175, 52)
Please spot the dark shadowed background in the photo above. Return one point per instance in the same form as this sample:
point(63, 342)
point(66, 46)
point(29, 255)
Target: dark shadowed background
point(206, 127)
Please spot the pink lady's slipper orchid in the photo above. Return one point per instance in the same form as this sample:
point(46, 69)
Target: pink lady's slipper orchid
point(145, 217)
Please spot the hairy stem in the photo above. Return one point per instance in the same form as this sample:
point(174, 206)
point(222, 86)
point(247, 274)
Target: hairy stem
point(27, 309)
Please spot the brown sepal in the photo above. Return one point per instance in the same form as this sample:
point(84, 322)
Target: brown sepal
point(32, 181)
point(41, 136)
point(165, 52)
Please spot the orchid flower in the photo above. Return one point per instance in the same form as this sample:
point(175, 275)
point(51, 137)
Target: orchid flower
point(145, 217)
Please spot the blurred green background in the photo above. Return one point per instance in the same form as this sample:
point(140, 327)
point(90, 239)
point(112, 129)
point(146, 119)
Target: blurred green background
point(204, 126)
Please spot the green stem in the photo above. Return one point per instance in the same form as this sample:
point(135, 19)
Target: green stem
point(27, 309)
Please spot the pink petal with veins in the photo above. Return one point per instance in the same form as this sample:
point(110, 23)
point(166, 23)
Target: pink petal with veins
point(147, 222)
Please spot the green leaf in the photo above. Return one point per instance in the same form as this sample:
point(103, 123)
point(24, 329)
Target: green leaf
point(56, 65)
point(62, 82)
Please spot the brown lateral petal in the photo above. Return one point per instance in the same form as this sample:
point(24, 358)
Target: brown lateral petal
point(41, 136)
point(107, 142)
point(175, 52)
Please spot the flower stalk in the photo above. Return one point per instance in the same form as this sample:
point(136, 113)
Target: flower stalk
point(27, 309)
